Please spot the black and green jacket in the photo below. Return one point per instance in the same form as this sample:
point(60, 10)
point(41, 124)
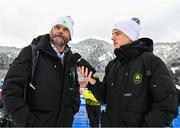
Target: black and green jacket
point(132, 98)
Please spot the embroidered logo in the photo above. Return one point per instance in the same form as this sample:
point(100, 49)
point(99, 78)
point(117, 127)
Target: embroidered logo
point(64, 22)
point(137, 78)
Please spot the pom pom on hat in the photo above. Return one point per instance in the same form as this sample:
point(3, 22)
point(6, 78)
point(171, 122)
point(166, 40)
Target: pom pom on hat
point(131, 28)
point(65, 21)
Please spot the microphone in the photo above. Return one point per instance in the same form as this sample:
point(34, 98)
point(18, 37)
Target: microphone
point(77, 60)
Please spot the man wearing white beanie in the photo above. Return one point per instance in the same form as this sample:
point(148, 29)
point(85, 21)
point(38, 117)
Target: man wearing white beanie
point(137, 87)
point(65, 21)
point(52, 95)
point(130, 30)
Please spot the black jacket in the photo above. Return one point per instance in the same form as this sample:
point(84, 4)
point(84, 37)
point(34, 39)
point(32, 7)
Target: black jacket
point(56, 98)
point(131, 97)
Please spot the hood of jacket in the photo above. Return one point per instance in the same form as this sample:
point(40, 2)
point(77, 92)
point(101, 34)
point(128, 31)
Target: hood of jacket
point(130, 51)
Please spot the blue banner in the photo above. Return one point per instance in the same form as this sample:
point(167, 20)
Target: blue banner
point(80, 119)
point(176, 122)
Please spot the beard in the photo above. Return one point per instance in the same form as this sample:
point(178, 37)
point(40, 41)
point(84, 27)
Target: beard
point(59, 41)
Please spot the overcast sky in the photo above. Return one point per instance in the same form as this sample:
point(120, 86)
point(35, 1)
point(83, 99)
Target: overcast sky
point(22, 20)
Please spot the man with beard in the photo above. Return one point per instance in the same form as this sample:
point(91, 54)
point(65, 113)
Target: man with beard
point(134, 95)
point(53, 97)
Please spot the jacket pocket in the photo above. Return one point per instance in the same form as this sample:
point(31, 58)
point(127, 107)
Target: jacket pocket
point(132, 119)
point(44, 116)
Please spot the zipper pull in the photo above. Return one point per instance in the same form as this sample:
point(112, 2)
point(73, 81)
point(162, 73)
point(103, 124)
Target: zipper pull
point(126, 73)
point(32, 86)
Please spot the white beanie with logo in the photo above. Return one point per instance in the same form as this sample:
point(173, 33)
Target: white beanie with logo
point(65, 21)
point(131, 28)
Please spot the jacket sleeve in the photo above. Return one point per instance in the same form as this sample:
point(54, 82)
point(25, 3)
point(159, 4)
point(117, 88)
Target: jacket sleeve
point(77, 95)
point(164, 99)
point(16, 78)
point(99, 88)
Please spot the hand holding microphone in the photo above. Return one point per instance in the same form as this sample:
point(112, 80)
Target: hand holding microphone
point(88, 76)
point(86, 69)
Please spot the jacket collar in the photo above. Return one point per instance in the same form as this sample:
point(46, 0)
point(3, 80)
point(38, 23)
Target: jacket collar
point(128, 52)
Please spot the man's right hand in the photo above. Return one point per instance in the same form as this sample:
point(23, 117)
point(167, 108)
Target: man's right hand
point(88, 77)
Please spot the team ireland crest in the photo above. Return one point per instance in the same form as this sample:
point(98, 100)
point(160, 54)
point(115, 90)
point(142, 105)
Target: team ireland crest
point(137, 78)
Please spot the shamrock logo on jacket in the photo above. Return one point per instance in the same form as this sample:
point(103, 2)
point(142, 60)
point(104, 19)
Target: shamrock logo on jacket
point(137, 78)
